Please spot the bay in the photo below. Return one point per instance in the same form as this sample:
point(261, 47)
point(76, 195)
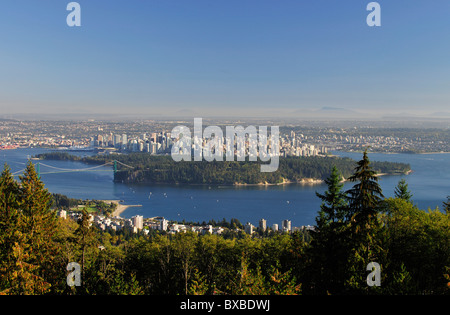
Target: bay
point(429, 182)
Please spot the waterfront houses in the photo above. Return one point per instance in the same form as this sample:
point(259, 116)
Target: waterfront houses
point(138, 224)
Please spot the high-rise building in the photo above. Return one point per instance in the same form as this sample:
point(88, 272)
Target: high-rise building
point(117, 141)
point(138, 221)
point(263, 224)
point(153, 148)
point(248, 228)
point(275, 227)
point(163, 225)
point(286, 225)
point(124, 142)
point(100, 140)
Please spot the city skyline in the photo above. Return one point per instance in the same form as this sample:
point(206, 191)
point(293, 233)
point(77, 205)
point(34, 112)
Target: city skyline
point(296, 59)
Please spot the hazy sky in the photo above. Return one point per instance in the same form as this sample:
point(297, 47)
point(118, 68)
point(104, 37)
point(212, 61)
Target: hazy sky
point(243, 57)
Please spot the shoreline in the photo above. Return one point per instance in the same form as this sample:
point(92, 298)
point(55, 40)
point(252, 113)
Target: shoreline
point(376, 152)
point(303, 181)
point(120, 207)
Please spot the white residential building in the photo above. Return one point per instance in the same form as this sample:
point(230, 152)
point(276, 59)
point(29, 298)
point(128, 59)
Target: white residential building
point(248, 228)
point(286, 226)
point(263, 224)
point(138, 221)
point(163, 225)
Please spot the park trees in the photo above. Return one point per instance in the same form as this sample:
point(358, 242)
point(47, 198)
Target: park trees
point(27, 234)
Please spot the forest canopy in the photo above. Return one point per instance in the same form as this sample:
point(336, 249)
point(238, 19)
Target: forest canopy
point(148, 168)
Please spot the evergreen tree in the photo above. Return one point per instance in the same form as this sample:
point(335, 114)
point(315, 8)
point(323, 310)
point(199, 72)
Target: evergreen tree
point(333, 207)
point(327, 246)
point(365, 234)
point(364, 197)
point(27, 230)
point(9, 212)
point(402, 191)
point(24, 277)
point(38, 224)
point(9, 216)
point(249, 282)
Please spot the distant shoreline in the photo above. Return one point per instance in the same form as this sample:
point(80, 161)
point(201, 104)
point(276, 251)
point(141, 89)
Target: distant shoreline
point(304, 181)
point(375, 152)
point(120, 207)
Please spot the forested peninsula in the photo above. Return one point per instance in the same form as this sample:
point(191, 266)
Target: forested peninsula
point(151, 169)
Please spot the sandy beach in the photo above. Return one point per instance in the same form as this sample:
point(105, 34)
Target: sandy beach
point(120, 208)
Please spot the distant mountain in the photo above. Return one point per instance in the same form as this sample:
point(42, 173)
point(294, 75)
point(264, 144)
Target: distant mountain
point(441, 114)
point(328, 112)
point(184, 113)
point(327, 108)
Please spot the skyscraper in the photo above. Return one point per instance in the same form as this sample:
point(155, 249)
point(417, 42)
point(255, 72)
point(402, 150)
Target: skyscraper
point(138, 221)
point(124, 142)
point(286, 225)
point(248, 228)
point(263, 224)
point(117, 141)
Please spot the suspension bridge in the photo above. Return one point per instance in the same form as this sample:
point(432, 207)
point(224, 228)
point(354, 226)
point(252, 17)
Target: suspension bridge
point(58, 170)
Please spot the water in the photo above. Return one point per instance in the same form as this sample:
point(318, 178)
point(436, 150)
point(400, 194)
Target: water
point(429, 183)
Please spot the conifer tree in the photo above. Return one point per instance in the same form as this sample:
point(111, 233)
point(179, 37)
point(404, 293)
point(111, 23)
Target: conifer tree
point(366, 195)
point(27, 229)
point(364, 236)
point(9, 212)
point(9, 216)
point(24, 275)
point(402, 191)
point(328, 239)
point(38, 224)
point(249, 282)
point(333, 207)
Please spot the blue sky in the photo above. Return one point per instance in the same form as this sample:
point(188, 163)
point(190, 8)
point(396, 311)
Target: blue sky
point(223, 57)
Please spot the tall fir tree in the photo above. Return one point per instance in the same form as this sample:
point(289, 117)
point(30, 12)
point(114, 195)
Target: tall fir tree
point(9, 211)
point(366, 195)
point(365, 232)
point(333, 207)
point(9, 216)
point(38, 223)
point(27, 228)
point(327, 246)
point(401, 191)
